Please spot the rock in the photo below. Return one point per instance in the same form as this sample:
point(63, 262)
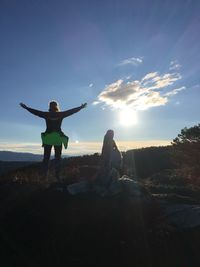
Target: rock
point(81, 187)
point(183, 216)
point(134, 188)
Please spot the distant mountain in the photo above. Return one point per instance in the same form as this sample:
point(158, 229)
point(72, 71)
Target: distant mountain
point(19, 156)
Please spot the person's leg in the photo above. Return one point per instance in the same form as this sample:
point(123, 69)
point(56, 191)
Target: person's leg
point(45, 163)
point(58, 151)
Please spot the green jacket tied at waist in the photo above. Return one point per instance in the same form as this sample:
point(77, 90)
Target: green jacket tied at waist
point(54, 139)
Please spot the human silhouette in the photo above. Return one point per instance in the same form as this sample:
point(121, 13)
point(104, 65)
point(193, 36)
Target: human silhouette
point(110, 154)
point(53, 136)
point(110, 162)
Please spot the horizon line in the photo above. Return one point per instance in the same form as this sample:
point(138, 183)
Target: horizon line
point(81, 148)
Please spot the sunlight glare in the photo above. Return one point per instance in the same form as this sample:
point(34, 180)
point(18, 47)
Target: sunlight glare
point(128, 117)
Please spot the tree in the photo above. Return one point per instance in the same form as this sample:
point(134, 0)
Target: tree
point(186, 152)
point(188, 135)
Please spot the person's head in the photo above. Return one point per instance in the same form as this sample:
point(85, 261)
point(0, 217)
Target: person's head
point(54, 106)
point(110, 134)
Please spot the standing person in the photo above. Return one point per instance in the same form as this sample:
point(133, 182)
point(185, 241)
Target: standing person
point(110, 165)
point(110, 155)
point(53, 136)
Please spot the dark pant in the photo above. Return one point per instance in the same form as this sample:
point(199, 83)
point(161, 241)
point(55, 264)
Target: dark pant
point(46, 158)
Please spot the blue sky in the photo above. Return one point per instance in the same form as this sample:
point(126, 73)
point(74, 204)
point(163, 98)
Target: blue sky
point(138, 56)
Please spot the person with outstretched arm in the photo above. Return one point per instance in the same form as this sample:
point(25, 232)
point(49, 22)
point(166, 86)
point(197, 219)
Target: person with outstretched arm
point(53, 136)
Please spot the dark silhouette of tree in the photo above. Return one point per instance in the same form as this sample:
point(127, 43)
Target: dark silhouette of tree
point(145, 162)
point(186, 152)
point(188, 136)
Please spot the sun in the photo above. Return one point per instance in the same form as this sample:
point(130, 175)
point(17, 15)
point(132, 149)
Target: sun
point(128, 117)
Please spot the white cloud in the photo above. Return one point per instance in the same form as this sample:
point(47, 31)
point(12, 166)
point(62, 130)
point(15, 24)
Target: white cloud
point(157, 82)
point(81, 148)
point(91, 85)
point(140, 94)
point(34, 148)
point(131, 61)
point(128, 77)
point(174, 65)
point(95, 103)
point(175, 91)
point(149, 76)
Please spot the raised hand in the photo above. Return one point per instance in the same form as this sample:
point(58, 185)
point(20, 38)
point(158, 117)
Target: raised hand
point(84, 105)
point(23, 105)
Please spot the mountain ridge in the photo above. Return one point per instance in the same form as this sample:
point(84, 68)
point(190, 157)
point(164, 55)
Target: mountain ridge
point(19, 156)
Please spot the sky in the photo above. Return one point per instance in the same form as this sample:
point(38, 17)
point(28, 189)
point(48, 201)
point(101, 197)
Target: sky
point(136, 64)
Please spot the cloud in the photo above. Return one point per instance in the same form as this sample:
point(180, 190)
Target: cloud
point(158, 82)
point(82, 148)
point(91, 85)
point(95, 103)
point(128, 77)
point(140, 94)
point(131, 61)
point(150, 76)
point(34, 148)
point(174, 65)
point(175, 91)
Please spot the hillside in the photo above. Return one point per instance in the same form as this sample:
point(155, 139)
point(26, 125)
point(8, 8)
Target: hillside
point(154, 221)
point(48, 227)
point(7, 166)
point(137, 162)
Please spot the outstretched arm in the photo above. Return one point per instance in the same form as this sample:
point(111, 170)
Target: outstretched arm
point(69, 112)
point(36, 112)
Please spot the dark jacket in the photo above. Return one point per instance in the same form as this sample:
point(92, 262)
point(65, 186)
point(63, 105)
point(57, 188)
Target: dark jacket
point(53, 119)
